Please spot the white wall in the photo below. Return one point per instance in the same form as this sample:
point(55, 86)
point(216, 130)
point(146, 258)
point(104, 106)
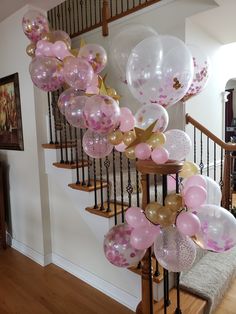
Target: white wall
point(25, 177)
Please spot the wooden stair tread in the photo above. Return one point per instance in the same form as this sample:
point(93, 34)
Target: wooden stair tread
point(70, 166)
point(105, 213)
point(189, 303)
point(89, 188)
point(156, 279)
point(58, 146)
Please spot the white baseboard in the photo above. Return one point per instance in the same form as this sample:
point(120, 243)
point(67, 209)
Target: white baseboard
point(107, 288)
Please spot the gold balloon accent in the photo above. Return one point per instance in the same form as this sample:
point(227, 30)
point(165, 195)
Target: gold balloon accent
point(129, 137)
point(151, 212)
point(142, 136)
point(47, 37)
point(189, 169)
point(162, 215)
point(74, 52)
point(156, 139)
point(116, 137)
point(30, 50)
point(129, 152)
point(174, 202)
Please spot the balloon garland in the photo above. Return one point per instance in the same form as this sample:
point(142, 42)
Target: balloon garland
point(159, 71)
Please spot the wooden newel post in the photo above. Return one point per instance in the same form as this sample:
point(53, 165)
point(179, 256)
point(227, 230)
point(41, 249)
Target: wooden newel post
point(147, 167)
point(105, 17)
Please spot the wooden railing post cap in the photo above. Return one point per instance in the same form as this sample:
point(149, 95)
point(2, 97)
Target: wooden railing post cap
point(150, 167)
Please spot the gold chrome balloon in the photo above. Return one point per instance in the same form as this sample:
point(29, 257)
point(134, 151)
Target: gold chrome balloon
point(174, 202)
point(115, 137)
point(129, 152)
point(164, 216)
point(30, 50)
point(151, 212)
point(157, 139)
point(189, 169)
point(129, 137)
point(48, 37)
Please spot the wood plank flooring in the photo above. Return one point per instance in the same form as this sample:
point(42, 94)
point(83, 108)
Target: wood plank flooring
point(27, 288)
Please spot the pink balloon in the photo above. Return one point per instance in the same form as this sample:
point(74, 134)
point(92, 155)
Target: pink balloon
point(101, 113)
point(93, 88)
point(195, 196)
point(127, 120)
point(195, 180)
point(44, 48)
point(34, 25)
point(136, 218)
point(75, 112)
point(118, 249)
point(62, 36)
point(46, 73)
point(96, 145)
point(96, 55)
point(143, 237)
point(120, 147)
point(78, 73)
point(142, 151)
point(160, 155)
point(65, 99)
point(60, 50)
point(171, 182)
point(188, 223)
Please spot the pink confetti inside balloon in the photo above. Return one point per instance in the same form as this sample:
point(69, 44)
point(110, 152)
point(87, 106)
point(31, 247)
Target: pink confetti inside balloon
point(174, 251)
point(78, 73)
point(65, 99)
point(96, 55)
point(46, 73)
point(75, 112)
point(101, 113)
point(96, 145)
point(178, 144)
point(34, 25)
point(117, 247)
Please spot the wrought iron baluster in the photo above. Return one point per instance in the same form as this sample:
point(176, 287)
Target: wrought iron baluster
point(65, 138)
point(111, 8)
point(70, 19)
point(50, 119)
point(74, 17)
point(89, 172)
point(137, 188)
point(116, 7)
point(201, 165)
point(82, 156)
point(95, 183)
point(91, 15)
point(55, 116)
point(122, 6)
point(129, 187)
point(208, 160)
point(155, 186)
point(101, 182)
point(63, 16)
point(122, 188)
point(71, 145)
point(82, 13)
point(86, 14)
point(77, 156)
point(214, 161)
point(65, 26)
point(58, 17)
point(114, 183)
point(100, 10)
point(107, 166)
point(221, 168)
point(95, 10)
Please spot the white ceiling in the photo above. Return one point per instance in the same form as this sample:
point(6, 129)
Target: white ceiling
point(8, 7)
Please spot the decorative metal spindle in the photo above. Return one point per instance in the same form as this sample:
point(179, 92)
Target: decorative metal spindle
point(65, 138)
point(66, 20)
point(178, 310)
point(107, 166)
point(137, 188)
point(122, 189)
point(74, 17)
point(58, 17)
point(221, 168)
point(86, 14)
point(62, 161)
point(111, 8)
point(157, 272)
point(101, 181)
point(78, 15)
point(122, 6)
point(100, 10)
point(116, 7)
point(55, 18)
point(201, 165)
point(214, 161)
point(114, 183)
point(91, 15)
point(71, 146)
point(82, 156)
point(128, 5)
point(82, 15)
point(166, 273)
point(194, 145)
point(89, 171)
point(62, 15)
point(55, 115)
point(95, 184)
point(70, 19)
point(76, 156)
point(50, 119)
point(129, 187)
point(155, 186)
point(208, 161)
point(134, 3)
point(177, 183)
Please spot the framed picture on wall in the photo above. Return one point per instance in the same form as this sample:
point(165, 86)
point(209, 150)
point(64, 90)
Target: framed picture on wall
point(11, 134)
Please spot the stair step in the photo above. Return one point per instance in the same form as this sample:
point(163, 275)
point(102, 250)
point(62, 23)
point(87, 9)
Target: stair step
point(58, 146)
point(156, 279)
point(189, 303)
point(89, 188)
point(70, 166)
point(111, 212)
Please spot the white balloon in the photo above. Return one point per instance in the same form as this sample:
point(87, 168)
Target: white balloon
point(214, 194)
point(178, 144)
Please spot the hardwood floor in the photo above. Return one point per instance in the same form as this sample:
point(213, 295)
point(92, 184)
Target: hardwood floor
point(27, 288)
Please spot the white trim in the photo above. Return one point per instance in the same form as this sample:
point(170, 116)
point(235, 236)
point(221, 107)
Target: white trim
point(107, 288)
point(27, 251)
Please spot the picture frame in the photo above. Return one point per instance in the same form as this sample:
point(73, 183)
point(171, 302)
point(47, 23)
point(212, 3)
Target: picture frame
point(11, 133)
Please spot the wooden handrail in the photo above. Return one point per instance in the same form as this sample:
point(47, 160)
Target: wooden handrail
point(213, 137)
